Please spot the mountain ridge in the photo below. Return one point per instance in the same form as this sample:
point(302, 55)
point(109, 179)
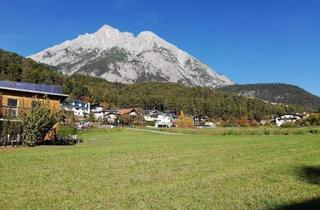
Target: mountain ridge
point(277, 93)
point(123, 57)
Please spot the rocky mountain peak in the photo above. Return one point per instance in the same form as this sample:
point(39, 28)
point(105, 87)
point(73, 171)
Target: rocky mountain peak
point(107, 28)
point(122, 57)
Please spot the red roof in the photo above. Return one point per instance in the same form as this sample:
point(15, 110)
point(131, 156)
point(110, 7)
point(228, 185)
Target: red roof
point(125, 111)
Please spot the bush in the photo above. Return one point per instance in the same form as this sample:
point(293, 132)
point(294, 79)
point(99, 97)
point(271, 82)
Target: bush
point(289, 125)
point(37, 121)
point(230, 123)
point(314, 131)
point(313, 119)
point(184, 122)
point(267, 132)
point(150, 123)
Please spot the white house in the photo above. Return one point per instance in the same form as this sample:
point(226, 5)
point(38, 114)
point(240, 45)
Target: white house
point(97, 111)
point(287, 118)
point(163, 121)
point(151, 115)
point(78, 107)
point(111, 116)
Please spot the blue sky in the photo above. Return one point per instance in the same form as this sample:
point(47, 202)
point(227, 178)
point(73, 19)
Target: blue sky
point(251, 41)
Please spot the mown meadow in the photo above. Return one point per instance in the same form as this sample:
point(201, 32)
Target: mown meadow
point(136, 169)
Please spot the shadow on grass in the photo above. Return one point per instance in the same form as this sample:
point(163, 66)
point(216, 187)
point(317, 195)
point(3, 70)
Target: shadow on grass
point(310, 174)
point(305, 205)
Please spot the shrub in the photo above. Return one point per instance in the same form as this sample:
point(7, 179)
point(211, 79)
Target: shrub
point(150, 123)
point(266, 132)
point(314, 131)
point(37, 121)
point(184, 122)
point(313, 119)
point(92, 117)
point(289, 125)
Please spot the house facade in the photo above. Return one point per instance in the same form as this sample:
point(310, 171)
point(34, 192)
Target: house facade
point(15, 96)
point(159, 119)
point(287, 118)
point(151, 115)
point(78, 107)
point(163, 121)
point(98, 111)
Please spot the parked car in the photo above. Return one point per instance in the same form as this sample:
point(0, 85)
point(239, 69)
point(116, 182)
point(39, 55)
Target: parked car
point(84, 125)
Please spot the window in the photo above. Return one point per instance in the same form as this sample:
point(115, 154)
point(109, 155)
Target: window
point(12, 107)
point(12, 102)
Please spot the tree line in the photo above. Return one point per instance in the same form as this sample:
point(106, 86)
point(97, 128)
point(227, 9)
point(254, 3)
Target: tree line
point(278, 93)
point(214, 103)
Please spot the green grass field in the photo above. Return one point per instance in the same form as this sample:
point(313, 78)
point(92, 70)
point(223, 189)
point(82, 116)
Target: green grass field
point(127, 169)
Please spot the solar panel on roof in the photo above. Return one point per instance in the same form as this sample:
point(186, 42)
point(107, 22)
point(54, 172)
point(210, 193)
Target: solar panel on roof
point(32, 87)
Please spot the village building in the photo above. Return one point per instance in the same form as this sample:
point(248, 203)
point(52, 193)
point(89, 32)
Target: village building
point(163, 121)
point(111, 117)
point(78, 107)
point(151, 115)
point(199, 119)
point(128, 117)
point(19, 95)
point(132, 112)
point(159, 119)
point(98, 111)
point(287, 118)
point(202, 121)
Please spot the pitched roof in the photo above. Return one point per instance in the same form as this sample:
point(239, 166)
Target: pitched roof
point(125, 111)
point(76, 103)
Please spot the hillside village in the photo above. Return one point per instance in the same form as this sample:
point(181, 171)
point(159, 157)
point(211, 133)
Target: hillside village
point(86, 111)
point(18, 94)
point(33, 114)
point(84, 101)
point(139, 104)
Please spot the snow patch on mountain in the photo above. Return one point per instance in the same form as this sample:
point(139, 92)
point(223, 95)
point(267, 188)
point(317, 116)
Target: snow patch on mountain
point(122, 57)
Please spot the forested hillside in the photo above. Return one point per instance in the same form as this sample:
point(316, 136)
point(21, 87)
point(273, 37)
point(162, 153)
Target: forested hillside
point(162, 96)
point(278, 93)
point(17, 68)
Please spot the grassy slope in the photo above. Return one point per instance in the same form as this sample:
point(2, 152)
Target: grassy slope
point(140, 170)
point(262, 130)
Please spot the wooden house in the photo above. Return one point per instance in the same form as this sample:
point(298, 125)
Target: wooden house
point(128, 117)
point(19, 95)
